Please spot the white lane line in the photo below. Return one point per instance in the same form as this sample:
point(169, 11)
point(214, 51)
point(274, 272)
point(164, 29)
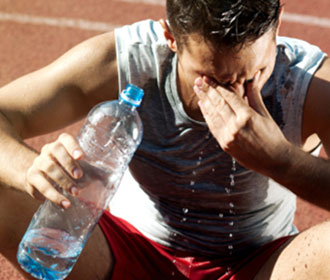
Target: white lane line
point(306, 19)
point(57, 22)
point(287, 17)
point(104, 26)
point(153, 2)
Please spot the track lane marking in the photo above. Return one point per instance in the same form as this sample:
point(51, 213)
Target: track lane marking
point(106, 26)
point(57, 22)
point(306, 19)
point(152, 2)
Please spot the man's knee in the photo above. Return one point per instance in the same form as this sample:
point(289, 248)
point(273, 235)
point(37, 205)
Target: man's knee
point(303, 257)
point(96, 260)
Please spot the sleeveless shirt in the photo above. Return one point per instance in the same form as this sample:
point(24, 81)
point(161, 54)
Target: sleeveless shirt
point(182, 190)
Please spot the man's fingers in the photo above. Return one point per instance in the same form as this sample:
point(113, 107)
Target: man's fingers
point(65, 153)
point(211, 97)
point(71, 145)
point(40, 187)
point(54, 169)
point(254, 97)
point(234, 101)
point(57, 174)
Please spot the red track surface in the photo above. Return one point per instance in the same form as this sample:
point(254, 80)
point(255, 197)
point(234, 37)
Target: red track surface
point(25, 47)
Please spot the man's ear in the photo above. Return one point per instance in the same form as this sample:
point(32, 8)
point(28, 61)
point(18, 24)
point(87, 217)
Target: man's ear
point(172, 44)
point(279, 20)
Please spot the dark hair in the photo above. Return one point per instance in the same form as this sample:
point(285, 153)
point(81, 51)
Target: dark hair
point(228, 23)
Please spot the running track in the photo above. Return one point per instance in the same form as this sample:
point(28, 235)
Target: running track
point(34, 33)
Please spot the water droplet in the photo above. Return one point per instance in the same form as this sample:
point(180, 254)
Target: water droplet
point(173, 273)
point(230, 235)
point(227, 190)
point(230, 247)
point(213, 169)
point(199, 221)
point(194, 172)
point(174, 261)
point(231, 223)
point(232, 212)
point(231, 205)
point(201, 153)
point(234, 164)
point(220, 215)
point(192, 183)
point(199, 162)
point(228, 268)
point(185, 210)
point(193, 190)
point(183, 219)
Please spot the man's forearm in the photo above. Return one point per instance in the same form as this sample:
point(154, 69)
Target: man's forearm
point(305, 175)
point(16, 157)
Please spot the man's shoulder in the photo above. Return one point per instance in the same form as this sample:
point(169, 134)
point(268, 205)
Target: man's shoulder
point(146, 32)
point(298, 54)
point(297, 48)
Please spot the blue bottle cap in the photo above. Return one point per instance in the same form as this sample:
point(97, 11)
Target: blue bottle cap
point(132, 95)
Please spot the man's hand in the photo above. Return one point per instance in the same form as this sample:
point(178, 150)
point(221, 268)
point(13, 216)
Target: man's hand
point(55, 166)
point(243, 127)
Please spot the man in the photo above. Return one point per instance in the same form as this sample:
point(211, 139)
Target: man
point(228, 112)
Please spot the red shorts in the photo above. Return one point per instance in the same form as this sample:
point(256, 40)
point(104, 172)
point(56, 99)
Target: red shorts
point(137, 257)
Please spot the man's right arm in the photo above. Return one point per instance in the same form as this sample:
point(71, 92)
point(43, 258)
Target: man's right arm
point(52, 98)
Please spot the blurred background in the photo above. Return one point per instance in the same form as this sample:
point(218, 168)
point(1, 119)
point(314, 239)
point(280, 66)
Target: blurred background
point(34, 33)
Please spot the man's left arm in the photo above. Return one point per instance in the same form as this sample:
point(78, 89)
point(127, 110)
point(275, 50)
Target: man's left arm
point(316, 118)
point(246, 131)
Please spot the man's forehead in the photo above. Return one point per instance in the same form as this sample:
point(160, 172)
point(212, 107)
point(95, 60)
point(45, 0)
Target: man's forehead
point(204, 52)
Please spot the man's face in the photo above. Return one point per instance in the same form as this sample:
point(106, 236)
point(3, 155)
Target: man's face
point(231, 69)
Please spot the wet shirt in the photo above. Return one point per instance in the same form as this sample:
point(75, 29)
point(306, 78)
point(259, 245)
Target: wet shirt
point(183, 190)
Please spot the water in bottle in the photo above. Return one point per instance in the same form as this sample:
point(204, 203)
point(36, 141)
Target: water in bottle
point(56, 236)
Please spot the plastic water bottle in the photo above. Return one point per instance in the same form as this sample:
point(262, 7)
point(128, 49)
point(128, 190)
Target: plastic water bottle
point(56, 236)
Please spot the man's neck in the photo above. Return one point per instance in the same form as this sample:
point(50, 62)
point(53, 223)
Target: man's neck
point(188, 97)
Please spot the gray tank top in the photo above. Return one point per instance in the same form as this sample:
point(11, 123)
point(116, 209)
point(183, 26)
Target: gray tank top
point(183, 191)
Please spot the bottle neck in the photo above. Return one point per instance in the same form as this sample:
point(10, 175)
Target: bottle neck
point(127, 105)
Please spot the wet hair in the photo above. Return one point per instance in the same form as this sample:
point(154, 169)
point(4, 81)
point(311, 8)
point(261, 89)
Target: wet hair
point(227, 23)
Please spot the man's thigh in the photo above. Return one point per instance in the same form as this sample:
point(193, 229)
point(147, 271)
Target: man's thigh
point(304, 256)
point(16, 211)
point(96, 261)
